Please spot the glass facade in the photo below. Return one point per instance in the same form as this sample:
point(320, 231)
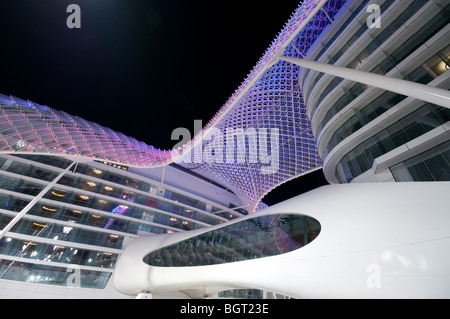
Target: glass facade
point(84, 219)
point(419, 75)
point(53, 275)
point(242, 293)
point(430, 55)
point(361, 158)
point(432, 165)
point(248, 239)
point(327, 45)
point(56, 253)
point(382, 103)
point(335, 81)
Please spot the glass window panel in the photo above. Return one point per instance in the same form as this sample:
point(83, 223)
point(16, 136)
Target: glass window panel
point(363, 163)
point(371, 149)
point(384, 142)
point(429, 117)
point(397, 134)
point(445, 150)
point(420, 172)
point(445, 113)
point(436, 165)
point(354, 168)
point(51, 275)
point(412, 128)
point(401, 173)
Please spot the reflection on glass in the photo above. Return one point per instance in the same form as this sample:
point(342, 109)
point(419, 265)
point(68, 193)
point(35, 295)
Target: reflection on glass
point(248, 239)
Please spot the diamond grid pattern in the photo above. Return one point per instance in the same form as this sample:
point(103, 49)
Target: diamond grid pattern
point(269, 100)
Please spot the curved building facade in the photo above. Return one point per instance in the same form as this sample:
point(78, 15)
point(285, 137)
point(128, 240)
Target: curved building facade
point(365, 133)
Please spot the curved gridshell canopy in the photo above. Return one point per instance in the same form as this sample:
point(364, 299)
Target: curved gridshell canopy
point(262, 127)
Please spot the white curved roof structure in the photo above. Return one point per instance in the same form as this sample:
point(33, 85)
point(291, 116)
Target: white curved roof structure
point(390, 249)
point(259, 139)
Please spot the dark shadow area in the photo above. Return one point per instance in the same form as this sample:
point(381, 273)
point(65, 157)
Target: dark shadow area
point(295, 187)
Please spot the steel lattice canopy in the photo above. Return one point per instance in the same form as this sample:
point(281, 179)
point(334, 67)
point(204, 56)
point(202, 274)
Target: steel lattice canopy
point(260, 138)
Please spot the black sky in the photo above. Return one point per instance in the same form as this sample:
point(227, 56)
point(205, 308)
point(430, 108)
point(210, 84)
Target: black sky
point(140, 67)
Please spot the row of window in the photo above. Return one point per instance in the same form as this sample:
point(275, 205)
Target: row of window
point(51, 275)
point(55, 253)
point(84, 216)
point(359, 58)
point(64, 233)
point(437, 23)
point(420, 75)
point(129, 209)
point(361, 158)
point(326, 45)
point(380, 105)
point(425, 73)
point(83, 194)
point(84, 200)
point(105, 189)
point(432, 165)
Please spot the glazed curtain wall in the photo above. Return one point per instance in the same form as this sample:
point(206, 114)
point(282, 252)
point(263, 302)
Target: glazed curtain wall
point(248, 239)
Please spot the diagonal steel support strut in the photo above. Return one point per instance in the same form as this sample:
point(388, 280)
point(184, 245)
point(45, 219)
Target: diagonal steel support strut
point(16, 219)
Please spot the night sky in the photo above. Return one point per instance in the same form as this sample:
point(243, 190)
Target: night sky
point(139, 67)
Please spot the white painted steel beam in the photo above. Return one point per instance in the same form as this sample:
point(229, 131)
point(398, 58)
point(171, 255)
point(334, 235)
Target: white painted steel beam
point(419, 91)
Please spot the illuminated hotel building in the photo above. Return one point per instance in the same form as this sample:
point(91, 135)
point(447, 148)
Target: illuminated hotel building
point(365, 100)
